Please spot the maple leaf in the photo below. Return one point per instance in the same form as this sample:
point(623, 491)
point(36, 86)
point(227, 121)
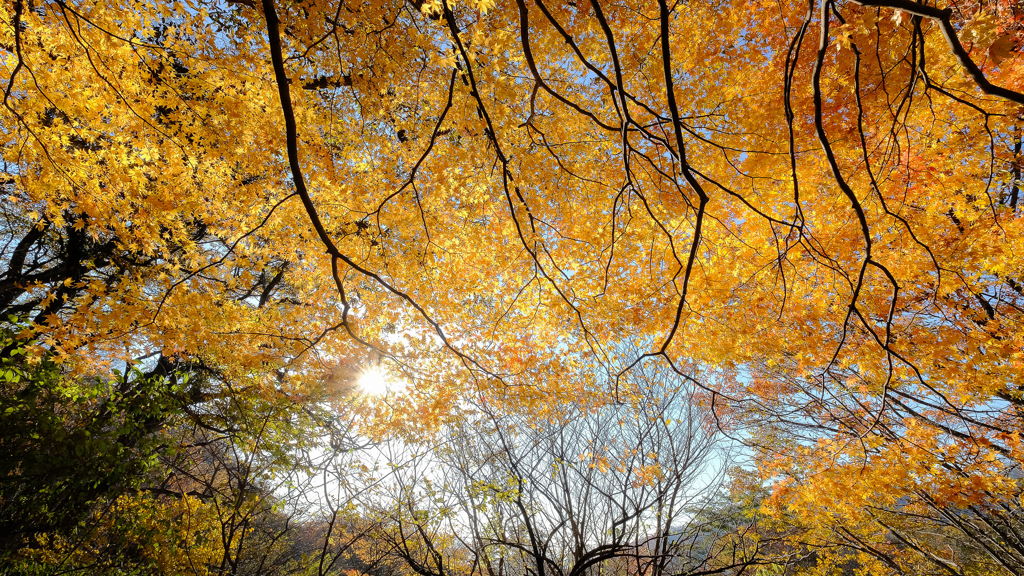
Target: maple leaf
point(844, 38)
point(1001, 49)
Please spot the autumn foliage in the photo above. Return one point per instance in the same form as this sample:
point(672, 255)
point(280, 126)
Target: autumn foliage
point(801, 219)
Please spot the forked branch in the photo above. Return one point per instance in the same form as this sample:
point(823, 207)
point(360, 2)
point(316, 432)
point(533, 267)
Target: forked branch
point(943, 17)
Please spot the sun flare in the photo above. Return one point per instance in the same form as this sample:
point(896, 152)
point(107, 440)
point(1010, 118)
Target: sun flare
point(374, 382)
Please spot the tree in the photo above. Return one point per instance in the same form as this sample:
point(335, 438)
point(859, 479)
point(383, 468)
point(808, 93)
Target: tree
point(809, 210)
point(626, 488)
point(158, 473)
point(69, 445)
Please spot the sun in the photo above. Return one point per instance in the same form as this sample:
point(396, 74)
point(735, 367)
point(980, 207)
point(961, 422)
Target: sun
point(374, 382)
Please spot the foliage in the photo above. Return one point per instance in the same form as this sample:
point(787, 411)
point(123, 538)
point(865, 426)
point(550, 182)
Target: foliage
point(134, 534)
point(808, 211)
point(152, 473)
point(68, 444)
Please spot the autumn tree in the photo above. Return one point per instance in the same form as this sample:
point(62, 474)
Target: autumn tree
point(807, 210)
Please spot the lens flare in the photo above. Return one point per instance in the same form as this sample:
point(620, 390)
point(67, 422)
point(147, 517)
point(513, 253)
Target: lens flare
point(374, 382)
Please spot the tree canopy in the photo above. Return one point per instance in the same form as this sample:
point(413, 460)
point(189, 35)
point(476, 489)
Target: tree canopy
point(800, 219)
